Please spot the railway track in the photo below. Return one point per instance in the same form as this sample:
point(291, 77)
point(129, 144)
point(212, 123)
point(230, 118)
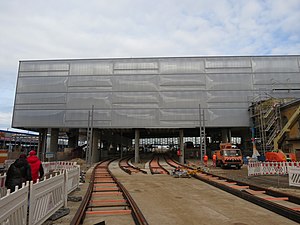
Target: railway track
point(278, 202)
point(155, 166)
point(107, 200)
point(128, 168)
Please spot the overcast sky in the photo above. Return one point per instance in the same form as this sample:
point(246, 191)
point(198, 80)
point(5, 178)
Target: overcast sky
point(59, 29)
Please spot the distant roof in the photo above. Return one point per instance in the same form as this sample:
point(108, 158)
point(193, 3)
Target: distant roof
point(30, 133)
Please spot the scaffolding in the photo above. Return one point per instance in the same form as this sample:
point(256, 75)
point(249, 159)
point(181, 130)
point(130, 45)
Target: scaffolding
point(266, 121)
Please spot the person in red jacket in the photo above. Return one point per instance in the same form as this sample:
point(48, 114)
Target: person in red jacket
point(205, 160)
point(37, 170)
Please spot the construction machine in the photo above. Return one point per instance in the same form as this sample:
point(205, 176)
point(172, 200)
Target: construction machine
point(277, 155)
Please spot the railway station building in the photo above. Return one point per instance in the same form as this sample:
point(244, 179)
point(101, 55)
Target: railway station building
point(116, 102)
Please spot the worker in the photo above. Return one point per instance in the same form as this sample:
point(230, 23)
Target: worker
point(205, 160)
point(19, 172)
point(214, 158)
point(37, 170)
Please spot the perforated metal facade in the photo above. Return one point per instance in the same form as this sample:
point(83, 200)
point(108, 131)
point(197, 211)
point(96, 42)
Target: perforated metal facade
point(149, 92)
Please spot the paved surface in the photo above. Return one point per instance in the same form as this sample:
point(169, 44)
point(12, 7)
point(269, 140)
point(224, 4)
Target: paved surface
point(166, 200)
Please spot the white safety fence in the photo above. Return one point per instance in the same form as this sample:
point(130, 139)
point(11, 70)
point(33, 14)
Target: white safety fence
point(14, 206)
point(276, 168)
point(44, 198)
point(72, 179)
point(2, 185)
point(294, 176)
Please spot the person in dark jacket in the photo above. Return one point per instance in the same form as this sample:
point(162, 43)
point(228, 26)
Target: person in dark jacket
point(19, 172)
point(37, 170)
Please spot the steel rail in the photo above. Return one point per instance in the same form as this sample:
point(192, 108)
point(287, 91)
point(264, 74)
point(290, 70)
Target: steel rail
point(136, 213)
point(247, 192)
point(155, 166)
point(127, 167)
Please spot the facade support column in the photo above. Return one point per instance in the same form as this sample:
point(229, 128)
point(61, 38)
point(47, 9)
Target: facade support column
point(137, 146)
point(225, 136)
point(95, 146)
point(42, 144)
point(181, 157)
point(73, 137)
point(54, 141)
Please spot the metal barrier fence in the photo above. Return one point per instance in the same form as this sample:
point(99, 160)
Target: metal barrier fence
point(276, 168)
point(44, 197)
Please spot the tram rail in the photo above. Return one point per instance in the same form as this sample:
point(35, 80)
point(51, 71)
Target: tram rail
point(107, 197)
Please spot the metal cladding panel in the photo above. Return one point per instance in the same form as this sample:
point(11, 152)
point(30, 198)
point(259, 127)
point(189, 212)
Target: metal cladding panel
point(43, 66)
point(139, 98)
point(135, 118)
point(42, 98)
point(275, 64)
point(227, 117)
point(228, 62)
point(43, 73)
point(227, 96)
point(40, 106)
point(100, 100)
point(183, 99)
point(90, 81)
point(84, 124)
point(136, 65)
point(229, 82)
point(227, 105)
point(96, 67)
point(42, 84)
point(179, 114)
point(78, 115)
point(181, 66)
point(135, 83)
point(149, 92)
point(276, 78)
point(39, 118)
point(182, 82)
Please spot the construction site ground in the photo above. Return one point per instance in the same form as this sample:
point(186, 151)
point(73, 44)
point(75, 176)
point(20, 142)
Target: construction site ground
point(165, 200)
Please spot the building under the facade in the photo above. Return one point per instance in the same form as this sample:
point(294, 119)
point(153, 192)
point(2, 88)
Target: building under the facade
point(131, 98)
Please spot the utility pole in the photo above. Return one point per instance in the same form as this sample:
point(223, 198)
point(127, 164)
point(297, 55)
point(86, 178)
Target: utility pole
point(88, 154)
point(202, 133)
